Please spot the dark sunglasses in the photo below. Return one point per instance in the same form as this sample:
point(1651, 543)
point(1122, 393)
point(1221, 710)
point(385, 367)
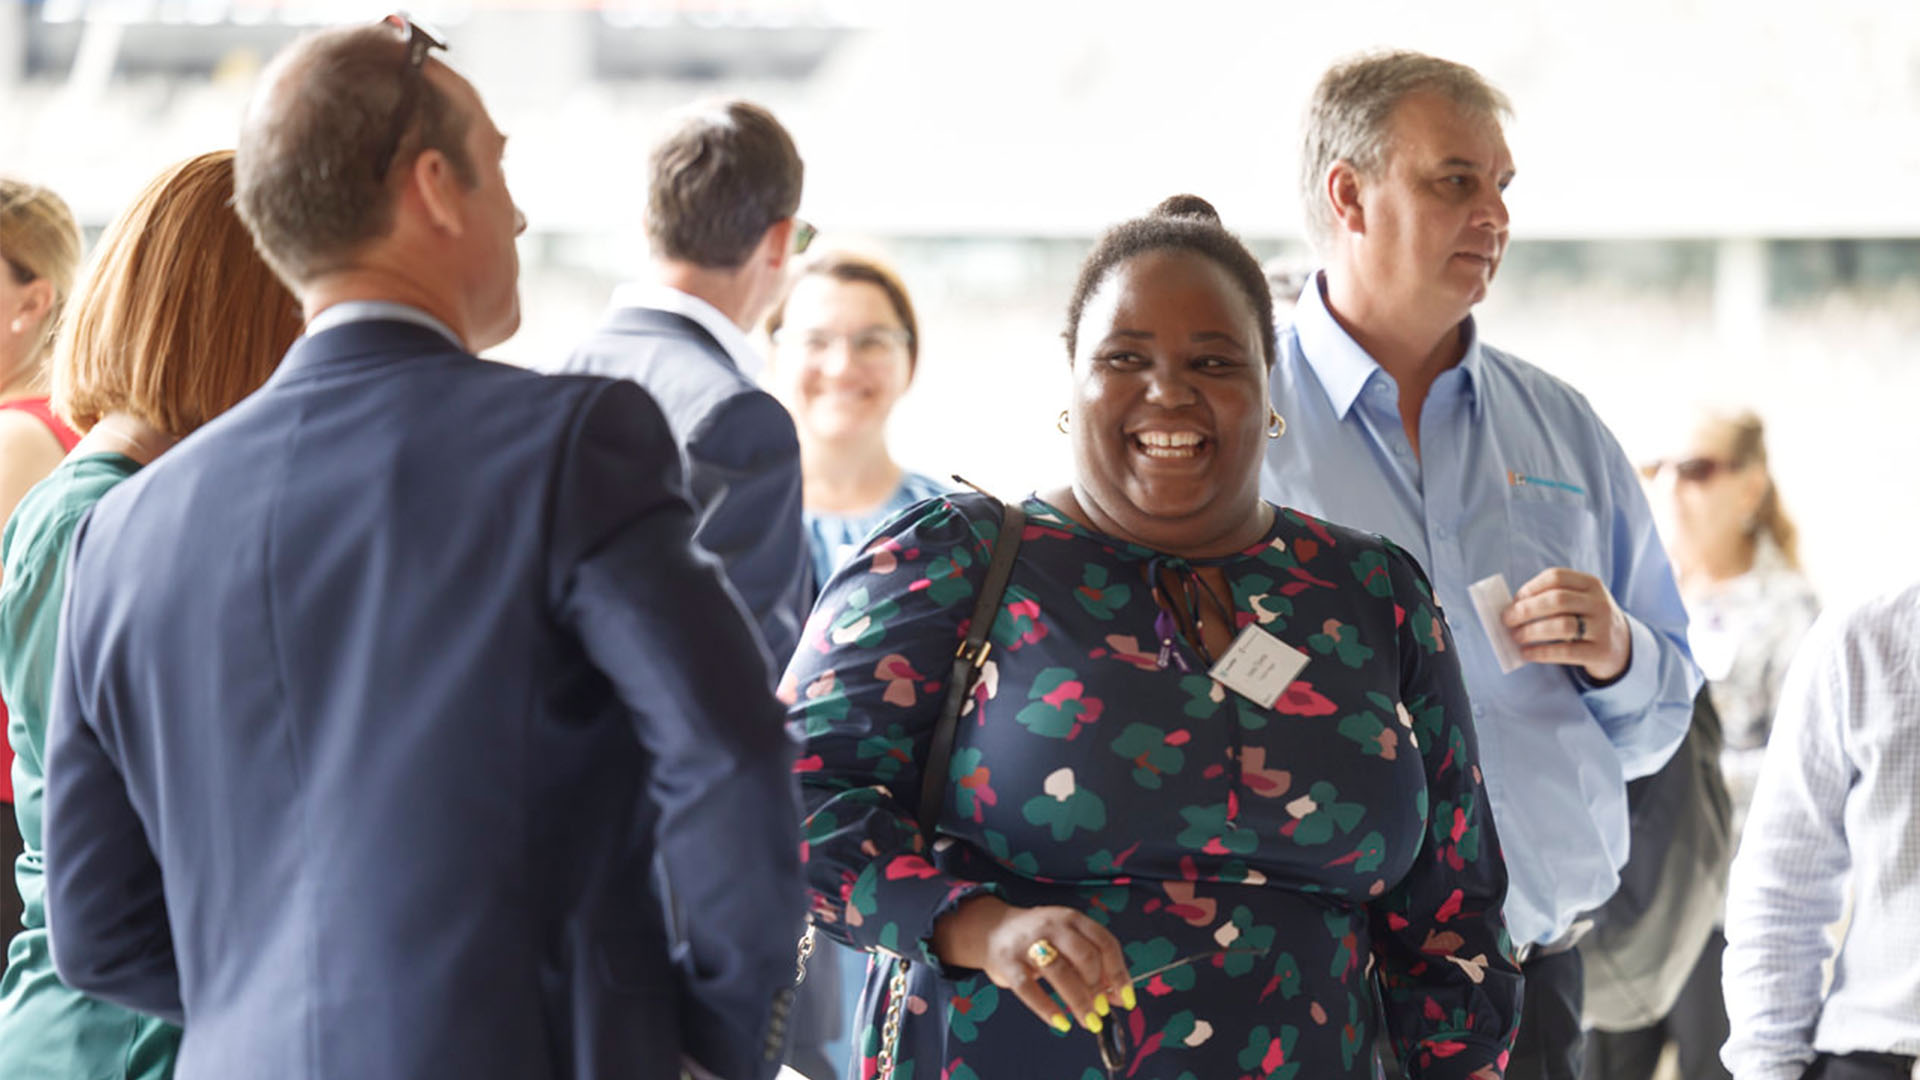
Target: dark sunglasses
point(420, 42)
point(1115, 1050)
point(1697, 470)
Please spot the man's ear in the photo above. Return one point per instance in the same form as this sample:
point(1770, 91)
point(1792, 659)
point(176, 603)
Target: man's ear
point(1341, 189)
point(777, 244)
point(436, 183)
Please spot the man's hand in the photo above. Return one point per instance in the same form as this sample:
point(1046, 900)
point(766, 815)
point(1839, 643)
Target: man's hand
point(1563, 616)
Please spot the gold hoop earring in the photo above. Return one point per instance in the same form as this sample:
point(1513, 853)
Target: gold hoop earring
point(1061, 423)
point(1276, 424)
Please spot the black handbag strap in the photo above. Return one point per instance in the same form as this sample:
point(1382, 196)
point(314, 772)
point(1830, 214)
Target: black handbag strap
point(967, 662)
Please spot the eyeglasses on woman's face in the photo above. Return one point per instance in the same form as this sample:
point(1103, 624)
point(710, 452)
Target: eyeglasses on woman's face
point(867, 344)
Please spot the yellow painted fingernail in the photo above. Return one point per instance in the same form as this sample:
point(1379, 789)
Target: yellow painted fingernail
point(1093, 1023)
point(1060, 1022)
point(1100, 1005)
point(1128, 998)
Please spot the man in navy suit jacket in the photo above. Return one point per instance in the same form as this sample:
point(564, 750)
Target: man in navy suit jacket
point(724, 186)
point(382, 699)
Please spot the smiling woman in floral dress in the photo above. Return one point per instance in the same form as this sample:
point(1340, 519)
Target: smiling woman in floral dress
point(1111, 802)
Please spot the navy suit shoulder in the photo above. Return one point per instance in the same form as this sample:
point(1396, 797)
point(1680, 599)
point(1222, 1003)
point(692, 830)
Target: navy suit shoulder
point(741, 453)
point(432, 644)
point(684, 367)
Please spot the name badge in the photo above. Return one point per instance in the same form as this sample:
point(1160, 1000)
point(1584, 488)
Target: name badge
point(1258, 667)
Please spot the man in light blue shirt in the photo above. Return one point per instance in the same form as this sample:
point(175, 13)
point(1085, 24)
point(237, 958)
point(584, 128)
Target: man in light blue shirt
point(1402, 421)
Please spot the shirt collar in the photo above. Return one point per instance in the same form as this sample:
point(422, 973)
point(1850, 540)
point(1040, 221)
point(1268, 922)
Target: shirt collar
point(353, 311)
point(1344, 368)
point(651, 294)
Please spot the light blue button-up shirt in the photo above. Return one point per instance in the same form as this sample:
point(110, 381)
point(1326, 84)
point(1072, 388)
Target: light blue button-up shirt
point(1515, 475)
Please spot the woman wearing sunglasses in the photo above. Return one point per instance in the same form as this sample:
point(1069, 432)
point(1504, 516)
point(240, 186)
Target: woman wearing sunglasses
point(1154, 856)
point(1736, 553)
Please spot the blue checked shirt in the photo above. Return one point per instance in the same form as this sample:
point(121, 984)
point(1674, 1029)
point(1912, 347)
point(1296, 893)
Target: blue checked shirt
point(1515, 475)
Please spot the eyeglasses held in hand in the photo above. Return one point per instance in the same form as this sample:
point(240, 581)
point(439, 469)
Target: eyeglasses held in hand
point(1697, 470)
point(420, 42)
point(1112, 1036)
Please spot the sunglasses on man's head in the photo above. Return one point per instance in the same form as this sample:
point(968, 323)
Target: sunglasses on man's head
point(1697, 470)
point(420, 42)
point(803, 234)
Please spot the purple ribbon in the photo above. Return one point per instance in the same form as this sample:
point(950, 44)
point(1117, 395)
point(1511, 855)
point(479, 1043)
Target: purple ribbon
point(1166, 628)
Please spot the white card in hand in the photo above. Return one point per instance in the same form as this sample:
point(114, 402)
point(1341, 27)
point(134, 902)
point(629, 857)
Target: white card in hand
point(1258, 667)
point(1491, 598)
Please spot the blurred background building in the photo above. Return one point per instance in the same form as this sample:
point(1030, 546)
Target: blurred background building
point(1716, 199)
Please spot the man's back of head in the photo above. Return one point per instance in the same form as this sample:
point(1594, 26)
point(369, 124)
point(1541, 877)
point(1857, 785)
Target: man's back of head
point(368, 170)
point(723, 186)
point(726, 172)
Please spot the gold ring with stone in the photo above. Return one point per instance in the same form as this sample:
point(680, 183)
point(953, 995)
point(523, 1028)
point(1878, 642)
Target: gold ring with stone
point(1042, 953)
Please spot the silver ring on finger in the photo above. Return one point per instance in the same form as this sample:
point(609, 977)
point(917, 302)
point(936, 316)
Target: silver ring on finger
point(1579, 628)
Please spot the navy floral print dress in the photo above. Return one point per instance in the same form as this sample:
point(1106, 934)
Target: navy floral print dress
point(1307, 848)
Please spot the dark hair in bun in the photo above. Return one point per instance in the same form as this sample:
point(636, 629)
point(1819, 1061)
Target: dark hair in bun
point(1186, 206)
point(1180, 223)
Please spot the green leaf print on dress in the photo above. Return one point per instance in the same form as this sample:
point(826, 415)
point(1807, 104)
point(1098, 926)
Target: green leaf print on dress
point(1097, 596)
point(1317, 813)
point(859, 625)
point(972, 1004)
point(889, 752)
point(1337, 638)
point(1210, 830)
point(1060, 706)
point(1155, 754)
point(1066, 806)
point(1267, 1053)
point(1257, 594)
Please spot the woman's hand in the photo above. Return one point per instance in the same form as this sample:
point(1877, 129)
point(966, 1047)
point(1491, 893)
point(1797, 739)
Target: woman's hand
point(1088, 970)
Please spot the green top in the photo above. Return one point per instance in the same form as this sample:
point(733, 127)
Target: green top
point(45, 1028)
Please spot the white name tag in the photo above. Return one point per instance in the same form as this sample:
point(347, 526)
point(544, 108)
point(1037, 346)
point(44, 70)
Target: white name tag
point(1258, 667)
point(1490, 598)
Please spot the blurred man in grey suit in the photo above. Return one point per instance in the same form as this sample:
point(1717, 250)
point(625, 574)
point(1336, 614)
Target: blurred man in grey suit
point(723, 190)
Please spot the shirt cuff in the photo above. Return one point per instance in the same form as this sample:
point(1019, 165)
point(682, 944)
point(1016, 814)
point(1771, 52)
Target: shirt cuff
point(1629, 694)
